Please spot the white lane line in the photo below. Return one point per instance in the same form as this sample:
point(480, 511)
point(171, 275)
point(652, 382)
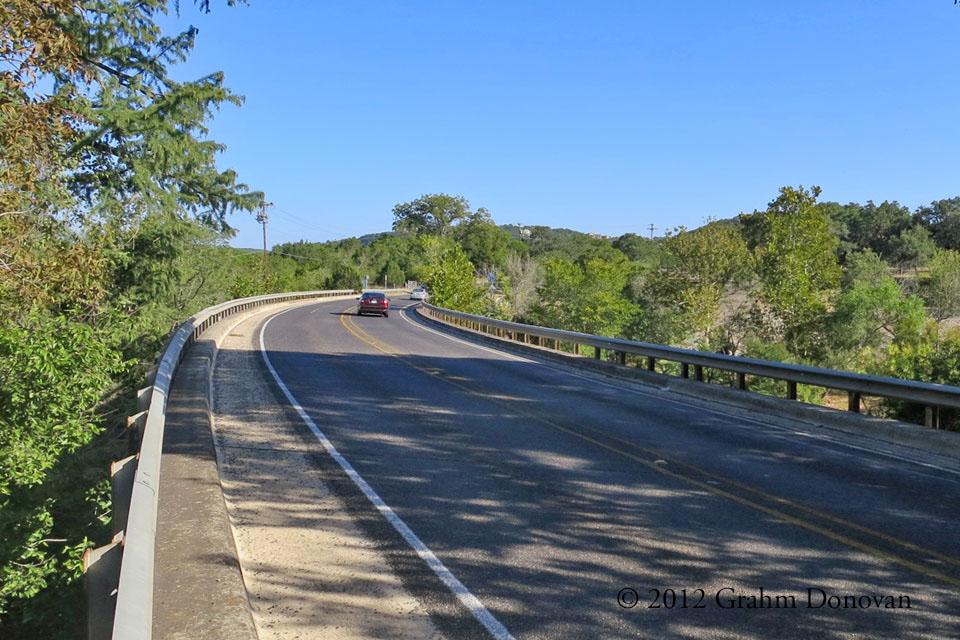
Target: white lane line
point(746, 424)
point(470, 601)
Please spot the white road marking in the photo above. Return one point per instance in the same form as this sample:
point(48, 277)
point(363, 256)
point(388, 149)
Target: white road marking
point(786, 433)
point(470, 601)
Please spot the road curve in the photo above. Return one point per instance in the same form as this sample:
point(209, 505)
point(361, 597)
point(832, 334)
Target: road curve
point(575, 507)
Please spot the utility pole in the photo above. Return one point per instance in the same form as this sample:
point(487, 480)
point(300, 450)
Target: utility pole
point(262, 219)
point(651, 231)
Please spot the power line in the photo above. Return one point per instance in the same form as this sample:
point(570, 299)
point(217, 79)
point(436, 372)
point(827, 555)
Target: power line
point(297, 218)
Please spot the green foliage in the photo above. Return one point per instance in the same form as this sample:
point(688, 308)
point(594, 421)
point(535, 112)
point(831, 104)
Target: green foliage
point(702, 265)
point(932, 359)
point(345, 276)
point(432, 214)
point(405, 253)
point(450, 278)
point(46, 528)
point(544, 242)
point(487, 245)
point(797, 265)
point(941, 288)
point(104, 163)
point(587, 297)
point(391, 274)
point(643, 251)
point(914, 246)
point(52, 373)
point(870, 312)
point(942, 217)
point(523, 277)
point(143, 143)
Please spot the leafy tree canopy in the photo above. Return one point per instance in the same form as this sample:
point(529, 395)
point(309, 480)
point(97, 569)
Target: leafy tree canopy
point(450, 277)
point(797, 263)
point(434, 214)
point(942, 217)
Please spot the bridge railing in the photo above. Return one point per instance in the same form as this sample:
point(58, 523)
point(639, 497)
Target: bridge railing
point(136, 483)
point(931, 396)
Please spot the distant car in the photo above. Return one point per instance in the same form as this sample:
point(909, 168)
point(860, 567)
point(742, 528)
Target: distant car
point(420, 293)
point(373, 302)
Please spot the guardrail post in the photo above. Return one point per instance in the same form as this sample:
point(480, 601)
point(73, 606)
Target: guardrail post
point(143, 398)
point(684, 370)
point(101, 575)
point(122, 474)
point(853, 401)
point(698, 372)
point(622, 357)
point(135, 425)
point(931, 416)
point(741, 381)
point(576, 348)
point(598, 353)
point(651, 363)
point(791, 390)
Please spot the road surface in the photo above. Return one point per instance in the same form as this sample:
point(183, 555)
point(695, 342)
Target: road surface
point(520, 499)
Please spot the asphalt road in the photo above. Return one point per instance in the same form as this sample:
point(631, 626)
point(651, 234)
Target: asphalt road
point(572, 506)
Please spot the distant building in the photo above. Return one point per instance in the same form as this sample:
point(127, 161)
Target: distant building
point(600, 236)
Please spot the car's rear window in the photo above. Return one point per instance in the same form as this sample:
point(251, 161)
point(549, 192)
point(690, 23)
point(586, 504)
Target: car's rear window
point(373, 296)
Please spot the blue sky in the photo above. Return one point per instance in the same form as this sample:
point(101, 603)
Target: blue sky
point(600, 116)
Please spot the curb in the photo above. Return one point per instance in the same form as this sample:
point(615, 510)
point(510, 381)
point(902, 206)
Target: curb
point(198, 581)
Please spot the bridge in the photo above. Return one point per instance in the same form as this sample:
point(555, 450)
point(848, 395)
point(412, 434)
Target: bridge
point(436, 475)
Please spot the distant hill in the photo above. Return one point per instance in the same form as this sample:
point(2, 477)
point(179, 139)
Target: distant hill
point(539, 230)
point(370, 238)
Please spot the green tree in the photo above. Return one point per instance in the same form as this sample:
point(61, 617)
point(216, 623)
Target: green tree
point(587, 297)
point(643, 251)
point(914, 246)
point(450, 278)
point(143, 144)
point(392, 274)
point(871, 312)
point(941, 288)
point(935, 358)
point(546, 242)
point(486, 245)
point(942, 217)
point(524, 276)
point(431, 214)
point(797, 264)
point(344, 276)
point(703, 264)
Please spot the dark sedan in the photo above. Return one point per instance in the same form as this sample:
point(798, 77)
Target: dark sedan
point(373, 302)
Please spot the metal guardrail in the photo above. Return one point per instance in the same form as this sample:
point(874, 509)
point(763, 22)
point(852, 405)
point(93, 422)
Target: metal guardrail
point(932, 396)
point(132, 618)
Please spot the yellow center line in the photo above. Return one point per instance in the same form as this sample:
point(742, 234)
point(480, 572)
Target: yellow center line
point(387, 349)
point(351, 326)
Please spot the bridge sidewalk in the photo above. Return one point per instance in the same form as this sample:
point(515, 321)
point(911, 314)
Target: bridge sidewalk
point(198, 588)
